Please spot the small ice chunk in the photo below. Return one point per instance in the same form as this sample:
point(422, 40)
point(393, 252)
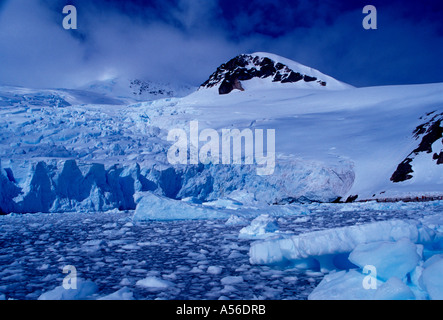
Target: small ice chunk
point(214, 270)
point(235, 255)
point(195, 270)
point(122, 294)
point(131, 246)
point(110, 226)
point(236, 221)
point(125, 282)
point(228, 289)
point(231, 280)
point(95, 243)
point(154, 283)
point(261, 227)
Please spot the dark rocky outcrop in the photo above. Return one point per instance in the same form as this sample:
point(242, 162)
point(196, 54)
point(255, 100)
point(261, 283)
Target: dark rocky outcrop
point(140, 87)
point(245, 67)
point(404, 171)
point(432, 134)
point(351, 198)
point(429, 132)
point(438, 157)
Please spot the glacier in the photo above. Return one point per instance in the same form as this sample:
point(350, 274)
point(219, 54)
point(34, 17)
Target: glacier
point(70, 185)
point(120, 149)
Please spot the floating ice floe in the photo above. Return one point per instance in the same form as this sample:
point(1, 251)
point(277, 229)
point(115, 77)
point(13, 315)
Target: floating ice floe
point(236, 221)
point(214, 270)
point(154, 283)
point(123, 294)
point(320, 244)
point(261, 227)
point(154, 207)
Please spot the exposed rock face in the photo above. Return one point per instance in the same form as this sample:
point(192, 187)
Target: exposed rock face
point(404, 171)
point(141, 87)
point(429, 132)
point(245, 67)
point(438, 157)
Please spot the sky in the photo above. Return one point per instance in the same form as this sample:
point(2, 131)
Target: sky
point(184, 41)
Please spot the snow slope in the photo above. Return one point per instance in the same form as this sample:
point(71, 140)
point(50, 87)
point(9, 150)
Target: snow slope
point(368, 129)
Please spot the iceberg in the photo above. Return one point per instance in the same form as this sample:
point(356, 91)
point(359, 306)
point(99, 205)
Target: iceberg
point(236, 221)
point(382, 260)
point(261, 227)
point(329, 242)
point(155, 207)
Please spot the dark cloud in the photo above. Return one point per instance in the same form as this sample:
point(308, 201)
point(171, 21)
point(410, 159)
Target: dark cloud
point(185, 40)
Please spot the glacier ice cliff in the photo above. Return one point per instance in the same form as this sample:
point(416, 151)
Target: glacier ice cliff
point(50, 185)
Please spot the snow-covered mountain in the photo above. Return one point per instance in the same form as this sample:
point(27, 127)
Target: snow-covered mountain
point(115, 91)
point(79, 150)
point(19, 97)
point(137, 89)
point(267, 69)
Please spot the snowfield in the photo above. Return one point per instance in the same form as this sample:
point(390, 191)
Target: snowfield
point(85, 181)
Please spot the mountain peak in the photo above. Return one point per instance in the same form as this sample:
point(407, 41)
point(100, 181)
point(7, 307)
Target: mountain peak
point(272, 69)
